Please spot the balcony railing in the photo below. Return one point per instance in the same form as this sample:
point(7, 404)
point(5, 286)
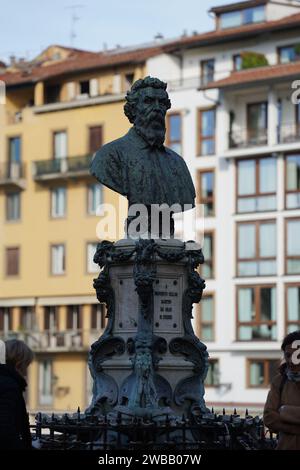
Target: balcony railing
point(62, 167)
point(12, 174)
point(68, 340)
point(184, 83)
point(248, 138)
point(288, 133)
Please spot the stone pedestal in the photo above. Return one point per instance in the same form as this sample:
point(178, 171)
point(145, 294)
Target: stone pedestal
point(148, 362)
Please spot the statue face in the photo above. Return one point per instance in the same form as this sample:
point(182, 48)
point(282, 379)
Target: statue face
point(153, 100)
point(151, 111)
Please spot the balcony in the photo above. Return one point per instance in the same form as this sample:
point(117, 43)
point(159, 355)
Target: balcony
point(288, 133)
point(62, 168)
point(12, 175)
point(55, 341)
point(244, 138)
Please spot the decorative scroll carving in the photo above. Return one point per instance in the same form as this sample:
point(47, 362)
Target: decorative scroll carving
point(191, 389)
point(144, 388)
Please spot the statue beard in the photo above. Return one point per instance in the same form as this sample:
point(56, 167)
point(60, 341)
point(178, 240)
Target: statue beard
point(151, 127)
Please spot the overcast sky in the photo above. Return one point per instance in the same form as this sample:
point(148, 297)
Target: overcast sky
point(28, 26)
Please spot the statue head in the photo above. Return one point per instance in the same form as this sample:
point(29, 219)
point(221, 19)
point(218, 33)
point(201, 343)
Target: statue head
point(146, 106)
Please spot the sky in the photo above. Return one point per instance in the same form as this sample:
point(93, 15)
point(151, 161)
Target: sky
point(29, 26)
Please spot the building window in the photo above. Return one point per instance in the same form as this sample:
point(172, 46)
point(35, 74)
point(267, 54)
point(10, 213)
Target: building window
point(13, 206)
point(207, 268)
point(207, 71)
point(5, 321)
point(256, 247)
point(98, 317)
point(293, 246)
point(14, 154)
point(52, 94)
point(60, 144)
point(94, 199)
point(261, 372)
point(213, 373)
point(12, 264)
point(46, 382)
point(292, 308)
point(288, 54)
point(174, 133)
point(206, 181)
point(292, 181)
point(58, 202)
point(256, 185)
point(84, 87)
point(206, 318)
point(257, 123)
point(232, 19)
point(207, 124)
point(91, 250)
point(237, 62)
point(256, 306)
point(14, 168)
point(58, 259)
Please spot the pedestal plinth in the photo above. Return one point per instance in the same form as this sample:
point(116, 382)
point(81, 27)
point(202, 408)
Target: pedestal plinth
point(148, 362)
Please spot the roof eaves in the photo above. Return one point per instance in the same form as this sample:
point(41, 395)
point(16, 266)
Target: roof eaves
point(251, 82)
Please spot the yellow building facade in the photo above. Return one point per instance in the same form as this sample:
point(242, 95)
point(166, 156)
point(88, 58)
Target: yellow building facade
point(58, 111)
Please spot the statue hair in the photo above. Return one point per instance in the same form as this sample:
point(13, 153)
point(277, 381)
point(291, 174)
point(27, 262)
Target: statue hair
point(132, 95)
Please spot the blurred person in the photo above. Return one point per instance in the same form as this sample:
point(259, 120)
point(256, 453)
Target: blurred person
point(15, 358)
point(282, 408)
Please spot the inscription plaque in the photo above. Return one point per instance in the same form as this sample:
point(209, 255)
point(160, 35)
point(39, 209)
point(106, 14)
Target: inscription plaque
point(127, 306)
point(167, 304)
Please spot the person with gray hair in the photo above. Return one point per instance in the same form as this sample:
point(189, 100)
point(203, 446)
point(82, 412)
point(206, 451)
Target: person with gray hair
point(15, 358)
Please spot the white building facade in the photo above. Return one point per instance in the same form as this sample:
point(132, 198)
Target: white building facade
point(234, 122)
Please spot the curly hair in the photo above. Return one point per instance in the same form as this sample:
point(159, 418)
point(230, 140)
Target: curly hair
point(132, 95)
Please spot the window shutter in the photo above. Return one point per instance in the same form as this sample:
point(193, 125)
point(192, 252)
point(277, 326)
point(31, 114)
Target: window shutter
point(12, 261)
point(9, 313)
point(80, 317)
point(95, 141)
point(117, 83)
point(1, 319)
point(70, 317)
point(94, 87)
point(47, 318)
point(71, 87)
point(93, 317)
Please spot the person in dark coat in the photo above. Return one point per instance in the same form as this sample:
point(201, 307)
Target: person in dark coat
point(14, 421)
point(282, 408)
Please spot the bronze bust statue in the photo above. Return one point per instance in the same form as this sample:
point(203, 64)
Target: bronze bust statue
point(138, 165)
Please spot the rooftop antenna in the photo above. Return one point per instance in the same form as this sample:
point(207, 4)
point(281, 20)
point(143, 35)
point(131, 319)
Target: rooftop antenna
point(74, 18)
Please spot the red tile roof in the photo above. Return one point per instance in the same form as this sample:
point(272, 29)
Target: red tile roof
point(237, 6)
point(78, 63)
point(222, 35)
point(85, 61)
point(258, 75)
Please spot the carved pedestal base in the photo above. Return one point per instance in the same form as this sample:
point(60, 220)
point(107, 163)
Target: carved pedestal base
point(148, 362)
